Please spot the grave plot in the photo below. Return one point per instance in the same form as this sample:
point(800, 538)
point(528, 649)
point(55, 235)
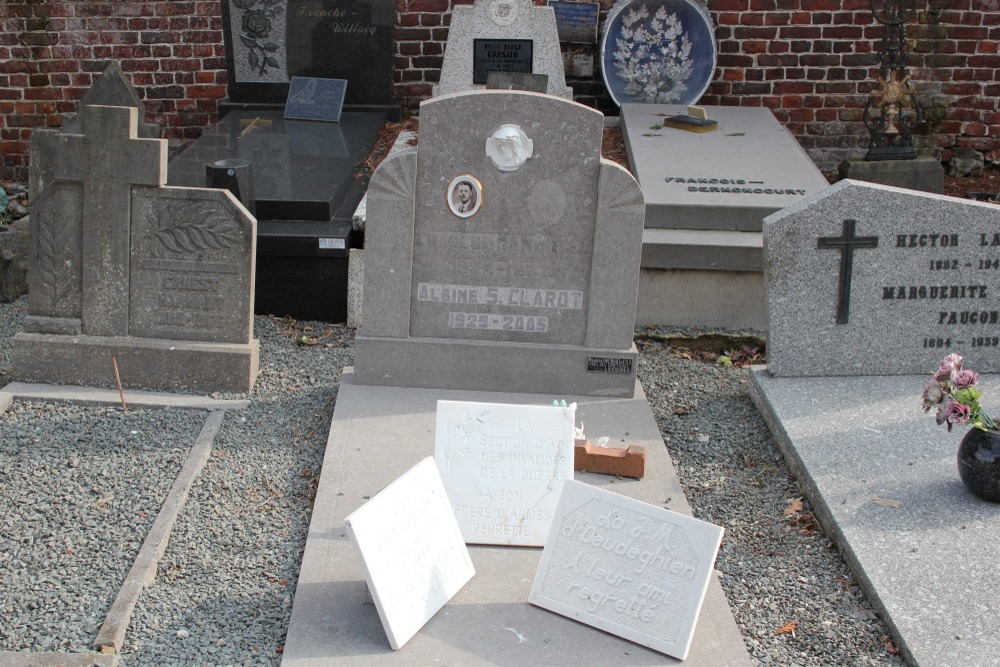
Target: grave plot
point(72, 524)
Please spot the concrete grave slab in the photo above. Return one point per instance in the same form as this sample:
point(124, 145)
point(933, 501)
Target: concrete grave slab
point(883, 481)
point(534, 289)
point(866, 279)
point(410, 550)
point(729, 179)
point(490, 620)
point(626, 567)
point(125, 271)
point(512, 33)
point(504, 466)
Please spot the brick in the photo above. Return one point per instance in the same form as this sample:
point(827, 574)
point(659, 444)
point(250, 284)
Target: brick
point(630, 462)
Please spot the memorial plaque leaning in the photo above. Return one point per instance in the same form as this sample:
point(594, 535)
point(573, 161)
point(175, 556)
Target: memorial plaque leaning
point(624, 566)
point(504, 466)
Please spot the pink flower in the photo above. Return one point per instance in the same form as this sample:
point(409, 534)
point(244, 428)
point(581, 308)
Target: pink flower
point(964, 378)
point(932, 395)
point(950, 364)
point(951, 413)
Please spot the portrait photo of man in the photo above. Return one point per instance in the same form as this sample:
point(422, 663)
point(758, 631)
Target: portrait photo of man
point(465, 195)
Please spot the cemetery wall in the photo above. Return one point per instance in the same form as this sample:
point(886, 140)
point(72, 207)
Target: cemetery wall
point(810, 61)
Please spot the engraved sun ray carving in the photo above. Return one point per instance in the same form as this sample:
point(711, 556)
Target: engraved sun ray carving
point(618, 197)
point(395, 177)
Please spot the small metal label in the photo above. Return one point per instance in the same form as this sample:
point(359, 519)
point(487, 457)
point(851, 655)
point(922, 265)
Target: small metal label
point(332, 243)
point(620, 365)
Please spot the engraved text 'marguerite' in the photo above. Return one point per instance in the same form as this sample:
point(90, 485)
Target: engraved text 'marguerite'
point(934, 292)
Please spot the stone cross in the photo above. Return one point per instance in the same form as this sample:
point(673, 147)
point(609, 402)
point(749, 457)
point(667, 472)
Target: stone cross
point(846, 243)
point(111, 144)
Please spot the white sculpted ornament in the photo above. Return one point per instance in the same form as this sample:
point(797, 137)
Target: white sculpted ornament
point(508, 147)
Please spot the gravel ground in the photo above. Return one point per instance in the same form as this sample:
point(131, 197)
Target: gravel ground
point(72, 517)
point(224, 589)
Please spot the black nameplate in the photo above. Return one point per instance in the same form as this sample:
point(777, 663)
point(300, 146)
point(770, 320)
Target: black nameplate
point(313, 98)
point(622, 365)
point(500, 55)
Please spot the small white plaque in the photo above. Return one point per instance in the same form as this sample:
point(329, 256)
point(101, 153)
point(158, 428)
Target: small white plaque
point(410, 550)
point(332, 243)
point(503, 466)
point(626, 567)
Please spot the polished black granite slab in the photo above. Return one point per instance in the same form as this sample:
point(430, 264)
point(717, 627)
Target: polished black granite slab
point(302, 170)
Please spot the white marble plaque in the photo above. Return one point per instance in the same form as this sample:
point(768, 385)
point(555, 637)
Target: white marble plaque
point(626, 567)
point(503, 466)
point(410, 550)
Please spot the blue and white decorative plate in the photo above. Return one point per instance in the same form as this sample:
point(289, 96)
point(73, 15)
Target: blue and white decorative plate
point(658, 51)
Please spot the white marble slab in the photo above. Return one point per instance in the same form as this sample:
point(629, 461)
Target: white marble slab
point(410, 550)
point(626, 567)
point(504, 466)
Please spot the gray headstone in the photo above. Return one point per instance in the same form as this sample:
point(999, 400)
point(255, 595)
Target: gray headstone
point(111, 89)
point(866, 279)
point(519, 22)
point(535, 289)
point(124, 267)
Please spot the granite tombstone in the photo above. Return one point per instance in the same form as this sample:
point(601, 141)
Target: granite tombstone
point(504, 466)
point(632, 569)
point(866, 279)
point(501, 35)
point(270, 41)
point(309, 177)
point(159, 279)
point(535, 290)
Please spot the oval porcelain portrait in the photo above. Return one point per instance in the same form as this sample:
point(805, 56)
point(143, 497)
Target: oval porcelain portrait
point(465, 195)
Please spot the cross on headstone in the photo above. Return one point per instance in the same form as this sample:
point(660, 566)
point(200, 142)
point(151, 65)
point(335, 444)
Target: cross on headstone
point(110, 143)
point(846, 243)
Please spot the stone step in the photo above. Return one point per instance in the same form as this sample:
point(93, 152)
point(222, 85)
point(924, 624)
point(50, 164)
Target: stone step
point(703, 250)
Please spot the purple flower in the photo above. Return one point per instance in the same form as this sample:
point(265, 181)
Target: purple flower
point(932, 395)
point(950, 364)
point(964, 378)
point(951, 413)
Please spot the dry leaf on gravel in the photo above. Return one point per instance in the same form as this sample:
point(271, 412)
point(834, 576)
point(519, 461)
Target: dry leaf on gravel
point(794, 507)
point(788, 628)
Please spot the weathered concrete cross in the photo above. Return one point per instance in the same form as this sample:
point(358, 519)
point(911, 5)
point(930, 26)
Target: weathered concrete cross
point(110, 149)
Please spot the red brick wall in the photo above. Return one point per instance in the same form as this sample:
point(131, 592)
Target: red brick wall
point(811, 61)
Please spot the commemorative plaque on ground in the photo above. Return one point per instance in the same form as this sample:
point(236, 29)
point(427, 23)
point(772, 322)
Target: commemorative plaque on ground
point(502, 36)
point(629, 568)
point(866, 279)
point(506, 256)
point(504, 466)
point(410, 550)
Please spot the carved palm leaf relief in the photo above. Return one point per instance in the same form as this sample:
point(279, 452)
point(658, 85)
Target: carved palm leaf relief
point(58, 273)
point(185, 228)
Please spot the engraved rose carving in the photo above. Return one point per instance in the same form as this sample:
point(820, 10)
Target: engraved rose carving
point(256, 25)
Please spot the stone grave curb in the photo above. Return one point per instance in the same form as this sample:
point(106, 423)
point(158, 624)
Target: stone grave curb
point(894, 505)
point(98, 396)
point(17, 659)
point(143, 571)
